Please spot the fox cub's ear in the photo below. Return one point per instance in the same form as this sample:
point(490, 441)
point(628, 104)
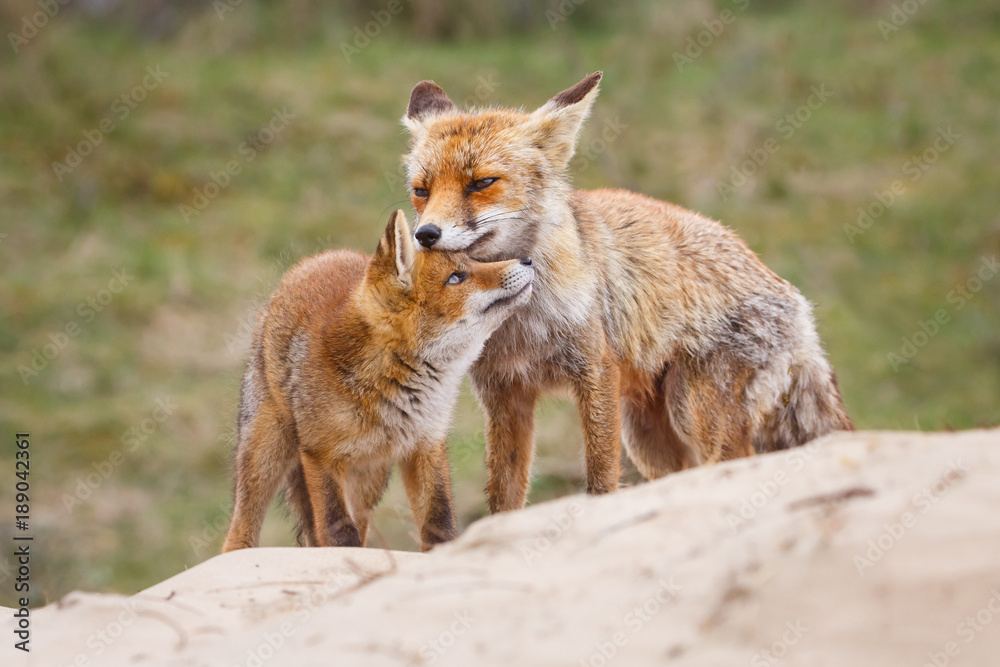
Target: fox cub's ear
point(426, 101)
point(556, 124)
point(395, 249)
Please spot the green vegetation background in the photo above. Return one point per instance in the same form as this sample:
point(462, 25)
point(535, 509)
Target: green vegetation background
point(179, 331)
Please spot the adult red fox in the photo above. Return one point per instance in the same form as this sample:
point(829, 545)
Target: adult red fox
point(356, 365)
point(668, 329)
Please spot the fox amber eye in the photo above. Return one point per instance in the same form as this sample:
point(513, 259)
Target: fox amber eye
point(456, 278)
point(423, 193)
point(482, 184)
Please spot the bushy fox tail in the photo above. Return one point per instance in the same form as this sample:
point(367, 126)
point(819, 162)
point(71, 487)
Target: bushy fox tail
point(814, 408)
point(811, 404)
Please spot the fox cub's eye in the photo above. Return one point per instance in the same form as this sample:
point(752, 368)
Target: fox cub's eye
point(482, 184)
point(423, 193)
point(456, 278)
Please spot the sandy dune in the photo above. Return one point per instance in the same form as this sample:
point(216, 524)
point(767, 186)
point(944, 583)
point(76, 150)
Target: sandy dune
point(870, 549)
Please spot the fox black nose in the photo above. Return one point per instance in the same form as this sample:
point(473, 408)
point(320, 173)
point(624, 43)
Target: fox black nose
point(526, 261)
point(428, 235)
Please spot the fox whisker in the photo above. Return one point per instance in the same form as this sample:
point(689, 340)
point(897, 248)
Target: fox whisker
point(493, 217)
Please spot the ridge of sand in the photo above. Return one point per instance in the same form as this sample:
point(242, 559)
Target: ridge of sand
point(872, 548)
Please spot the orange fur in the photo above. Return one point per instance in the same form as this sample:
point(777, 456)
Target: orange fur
point(665, 325)
point(355, 366)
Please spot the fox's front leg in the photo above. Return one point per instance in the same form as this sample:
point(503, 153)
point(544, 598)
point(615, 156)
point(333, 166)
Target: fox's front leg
point(510, 441)
point(598, 391)
point(333, 524)
point(427, 479)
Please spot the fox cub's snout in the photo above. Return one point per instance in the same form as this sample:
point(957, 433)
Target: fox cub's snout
point(356, 365)
point(456, 295)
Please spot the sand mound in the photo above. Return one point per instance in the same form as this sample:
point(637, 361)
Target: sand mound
point(864, 549)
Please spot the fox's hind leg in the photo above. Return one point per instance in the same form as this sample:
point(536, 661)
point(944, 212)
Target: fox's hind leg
point(297, 499)
point(264, 453)
point(652, 444)
point(427, 479)
point(705, 397)
point(365, 486)
point(331, 517)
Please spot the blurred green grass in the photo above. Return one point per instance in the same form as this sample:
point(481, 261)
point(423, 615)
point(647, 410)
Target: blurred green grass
point(180, 329)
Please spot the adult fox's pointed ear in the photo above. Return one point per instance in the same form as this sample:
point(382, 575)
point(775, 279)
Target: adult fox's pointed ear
point(426, 101)
point(395, 249)
point(557, 123)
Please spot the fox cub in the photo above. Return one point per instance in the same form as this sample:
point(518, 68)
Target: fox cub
point(356, 365)
point(668, 329)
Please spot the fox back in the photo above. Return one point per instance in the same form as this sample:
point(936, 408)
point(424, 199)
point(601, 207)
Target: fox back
point(664, 323)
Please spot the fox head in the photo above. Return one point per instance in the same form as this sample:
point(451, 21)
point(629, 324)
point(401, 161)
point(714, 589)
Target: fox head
point(480, 180)
point(441, 305)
